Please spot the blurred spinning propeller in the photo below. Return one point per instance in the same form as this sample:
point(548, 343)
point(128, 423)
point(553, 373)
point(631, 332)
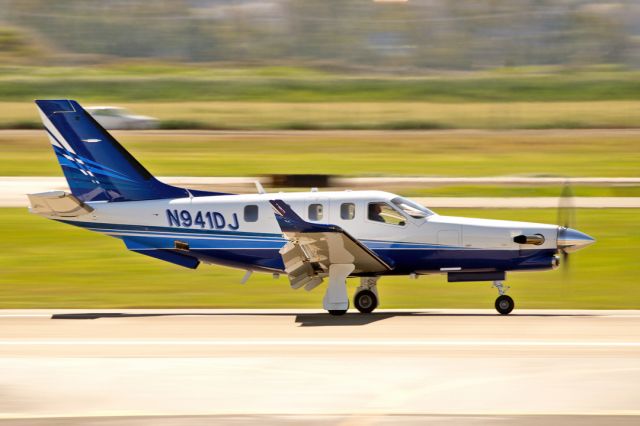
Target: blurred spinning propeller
point(567, 220)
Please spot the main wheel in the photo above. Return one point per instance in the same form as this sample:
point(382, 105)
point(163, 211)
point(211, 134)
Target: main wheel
point(337, 312)
point(365, 301)
point(504, 304)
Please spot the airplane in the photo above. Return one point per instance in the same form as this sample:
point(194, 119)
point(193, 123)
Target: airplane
point(309, 236)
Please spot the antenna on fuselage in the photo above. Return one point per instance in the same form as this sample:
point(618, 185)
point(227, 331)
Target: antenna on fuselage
point(259, 187)
point(246, 276)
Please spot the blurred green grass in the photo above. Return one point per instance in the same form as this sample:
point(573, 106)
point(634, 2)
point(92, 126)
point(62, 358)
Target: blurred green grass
point(299, 85)
point(50, 265)
point(284, 97)
point(396, 115)
point(437, 153)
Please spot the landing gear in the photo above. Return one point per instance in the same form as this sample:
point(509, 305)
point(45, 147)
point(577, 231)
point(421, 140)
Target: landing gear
point(366, 297)
point(504, 304)
point(336, 300)
point(365, 301)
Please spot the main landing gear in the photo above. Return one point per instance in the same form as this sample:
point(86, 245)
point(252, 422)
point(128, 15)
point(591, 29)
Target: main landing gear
point(336, 301)
point(504, 303)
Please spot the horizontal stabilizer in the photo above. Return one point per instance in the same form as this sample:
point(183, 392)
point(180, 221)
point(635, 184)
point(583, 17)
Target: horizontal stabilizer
point(57, 203)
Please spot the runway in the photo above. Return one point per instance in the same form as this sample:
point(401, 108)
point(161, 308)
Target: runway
point(277, 366)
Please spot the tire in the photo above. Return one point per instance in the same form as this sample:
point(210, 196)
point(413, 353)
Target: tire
point(337, 312)
point(504, 304)
point(365, 301)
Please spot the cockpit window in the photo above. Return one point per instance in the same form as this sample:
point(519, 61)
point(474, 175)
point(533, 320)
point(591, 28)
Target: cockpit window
point(383, 212)
point(411, 208)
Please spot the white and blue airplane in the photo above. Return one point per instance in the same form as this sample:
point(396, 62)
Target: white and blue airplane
point(309, 236)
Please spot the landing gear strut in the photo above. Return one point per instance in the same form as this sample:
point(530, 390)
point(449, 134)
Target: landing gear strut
point(335, 299)
point(366, 297)
point(504, 304)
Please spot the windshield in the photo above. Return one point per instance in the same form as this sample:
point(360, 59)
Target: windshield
point(411, 208)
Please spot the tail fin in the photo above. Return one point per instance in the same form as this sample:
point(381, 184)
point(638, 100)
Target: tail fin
point(96, 166)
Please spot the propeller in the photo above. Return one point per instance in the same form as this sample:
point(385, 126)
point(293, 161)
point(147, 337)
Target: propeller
point(566, 219)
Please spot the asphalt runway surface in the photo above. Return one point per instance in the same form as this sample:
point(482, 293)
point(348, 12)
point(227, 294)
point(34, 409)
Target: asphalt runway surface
point(198, 367)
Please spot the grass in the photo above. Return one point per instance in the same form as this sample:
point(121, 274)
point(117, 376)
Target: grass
point(397, 115)
point(444, 153)
point(46, 264)
point(178, 84)
point(154, 69)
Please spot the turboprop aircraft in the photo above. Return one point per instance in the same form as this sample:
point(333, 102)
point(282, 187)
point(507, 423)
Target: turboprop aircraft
point(309, 236)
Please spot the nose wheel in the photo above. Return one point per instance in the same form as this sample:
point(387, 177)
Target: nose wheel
point(504, 304)
point(366, 298)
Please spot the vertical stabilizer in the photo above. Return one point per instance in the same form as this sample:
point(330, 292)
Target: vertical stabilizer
point(96, 166)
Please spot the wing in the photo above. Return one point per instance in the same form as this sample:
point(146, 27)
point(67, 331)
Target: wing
point(312, 248)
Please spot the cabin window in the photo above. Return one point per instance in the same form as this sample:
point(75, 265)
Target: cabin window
point(347, 211)
point(251, 213)
point(384, 213)
point(315, 211)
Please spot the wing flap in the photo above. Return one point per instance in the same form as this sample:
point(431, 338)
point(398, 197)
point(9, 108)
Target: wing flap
point(312, 248)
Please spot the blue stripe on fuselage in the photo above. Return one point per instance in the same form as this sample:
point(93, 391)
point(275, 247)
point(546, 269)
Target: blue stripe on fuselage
point(405, 262)
point(109, 227)
point(261, 250)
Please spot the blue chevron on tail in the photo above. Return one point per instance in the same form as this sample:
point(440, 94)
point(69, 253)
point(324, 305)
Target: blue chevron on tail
point(96, 166)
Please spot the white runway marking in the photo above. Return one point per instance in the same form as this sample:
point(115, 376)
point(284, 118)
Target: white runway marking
point(317, 342)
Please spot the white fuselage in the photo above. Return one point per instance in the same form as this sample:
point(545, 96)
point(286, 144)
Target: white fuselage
point(228, 219)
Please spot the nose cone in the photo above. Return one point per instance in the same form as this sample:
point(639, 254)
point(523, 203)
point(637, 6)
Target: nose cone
point(571, 240)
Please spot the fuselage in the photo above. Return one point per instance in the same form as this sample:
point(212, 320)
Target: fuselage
point(241, 231)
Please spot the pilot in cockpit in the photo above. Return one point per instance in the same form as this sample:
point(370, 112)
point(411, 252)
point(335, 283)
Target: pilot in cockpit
point(375, 212)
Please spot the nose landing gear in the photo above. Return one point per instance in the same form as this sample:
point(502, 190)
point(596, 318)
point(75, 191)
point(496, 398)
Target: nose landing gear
point(504, 304)
point(366, 297)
